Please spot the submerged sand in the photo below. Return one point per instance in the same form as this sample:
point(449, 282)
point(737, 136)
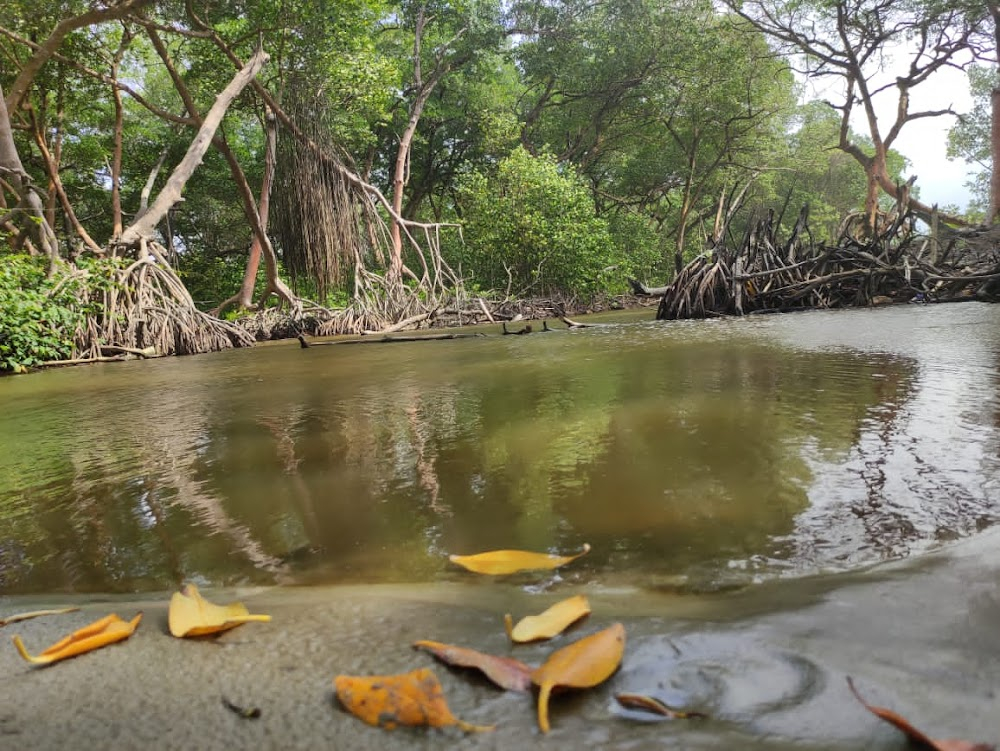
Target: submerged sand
point(768, 664)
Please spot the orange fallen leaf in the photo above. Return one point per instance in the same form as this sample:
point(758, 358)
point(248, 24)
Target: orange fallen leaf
point(192, 615)
point(549, 623)
point(505, 672)
point(914, 735)
point(654, 705)
point(98, 634)
point(582, 664)
point(386, 701)
point(497, 562)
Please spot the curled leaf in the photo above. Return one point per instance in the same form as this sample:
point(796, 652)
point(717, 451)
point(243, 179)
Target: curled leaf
point(505, 672)
point(550, 623)
point(98, 634)
point(192, 615)
point(386, 701)
point(582, 664)
point(497, 562)
point(247, 713)
point(34, 614)
point(654, 705)
point(914, 735)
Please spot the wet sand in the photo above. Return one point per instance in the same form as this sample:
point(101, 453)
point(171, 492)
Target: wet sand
point(767, 663)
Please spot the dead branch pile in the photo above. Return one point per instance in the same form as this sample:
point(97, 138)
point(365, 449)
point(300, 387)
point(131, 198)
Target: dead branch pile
point(765, 273)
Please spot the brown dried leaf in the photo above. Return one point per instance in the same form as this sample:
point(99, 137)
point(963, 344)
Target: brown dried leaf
point(497, 562)
point(505, 672)
point(582, 664)
point(654, 705)
point(386, 701)
point(914, 735)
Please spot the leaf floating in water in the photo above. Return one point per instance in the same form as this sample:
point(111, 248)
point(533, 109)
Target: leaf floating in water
point(914, 735)
point(582, 664)
point(386, 701)
point(107, 630)
point(34, 614)
point(247, 713)
point(651, 704)
point(505, 672)
point(192, 615)
point(498, 562)
point(550, 623)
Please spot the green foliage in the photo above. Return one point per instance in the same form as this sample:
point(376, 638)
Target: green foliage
point(969, 139)
point(40, 315)
point(531, 227)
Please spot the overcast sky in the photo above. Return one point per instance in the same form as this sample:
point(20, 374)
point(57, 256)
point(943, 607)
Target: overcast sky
point(925, 141)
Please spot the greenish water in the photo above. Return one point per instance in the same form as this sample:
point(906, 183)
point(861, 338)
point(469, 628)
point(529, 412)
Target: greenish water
point(690, 455)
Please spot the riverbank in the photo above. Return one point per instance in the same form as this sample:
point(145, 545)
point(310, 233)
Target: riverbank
point(767, 663)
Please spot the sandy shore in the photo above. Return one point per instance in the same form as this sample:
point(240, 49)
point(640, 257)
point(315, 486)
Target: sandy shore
point(768, 664)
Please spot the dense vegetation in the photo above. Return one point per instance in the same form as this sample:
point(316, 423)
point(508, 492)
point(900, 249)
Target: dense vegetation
point(528, 148)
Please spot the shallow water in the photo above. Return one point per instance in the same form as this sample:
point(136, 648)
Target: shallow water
point(690, 455)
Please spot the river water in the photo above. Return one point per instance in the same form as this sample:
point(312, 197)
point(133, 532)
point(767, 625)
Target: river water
point(691, 456)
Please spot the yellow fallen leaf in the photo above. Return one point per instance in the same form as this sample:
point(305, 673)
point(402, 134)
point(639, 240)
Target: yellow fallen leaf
point(582, 664)
point(498, 562)
point(386, 701)
point(35, 614)
point(192, 615)
point(550, 623)
point(98, 634)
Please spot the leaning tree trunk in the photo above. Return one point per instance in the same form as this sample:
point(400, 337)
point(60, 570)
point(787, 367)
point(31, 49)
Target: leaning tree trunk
point(144, 226)
point(244, 298)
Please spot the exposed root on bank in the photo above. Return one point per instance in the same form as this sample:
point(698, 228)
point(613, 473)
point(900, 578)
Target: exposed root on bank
point(765, 273)
point(146, 310)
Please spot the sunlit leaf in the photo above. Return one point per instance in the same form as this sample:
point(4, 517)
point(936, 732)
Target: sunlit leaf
point(107, 630)
point(550, 623)
point(192, 615)
point(654, 705)
point(386, 701)
point(34, 614)
point(582, 664)
point(505, 672)
point(914, 735)
point(498, 562)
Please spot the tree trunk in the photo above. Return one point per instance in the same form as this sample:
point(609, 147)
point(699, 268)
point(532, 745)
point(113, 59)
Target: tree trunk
point(244, 298)
point(171, 193)
point(31, 217)
point(993, 213)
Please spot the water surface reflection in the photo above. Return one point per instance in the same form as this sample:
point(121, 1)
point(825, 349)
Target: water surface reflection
point(692, 454)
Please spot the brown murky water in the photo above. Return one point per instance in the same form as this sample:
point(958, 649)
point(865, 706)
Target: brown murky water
point(690, 455)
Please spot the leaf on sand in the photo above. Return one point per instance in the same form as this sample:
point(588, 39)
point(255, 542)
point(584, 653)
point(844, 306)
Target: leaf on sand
point(497, 562)
point(34, 614)
point(98, 634)
point(550, 623)
point(505, 672)
point(914, 735)
point(386, 701)
point(192, 615)
point(582, 664)
point(654, 705)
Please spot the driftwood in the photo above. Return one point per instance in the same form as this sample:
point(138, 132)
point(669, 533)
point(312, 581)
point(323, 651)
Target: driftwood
point(306, 344)
point(765, 273)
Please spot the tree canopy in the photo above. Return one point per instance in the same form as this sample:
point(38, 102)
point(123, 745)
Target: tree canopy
point(537, 145)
